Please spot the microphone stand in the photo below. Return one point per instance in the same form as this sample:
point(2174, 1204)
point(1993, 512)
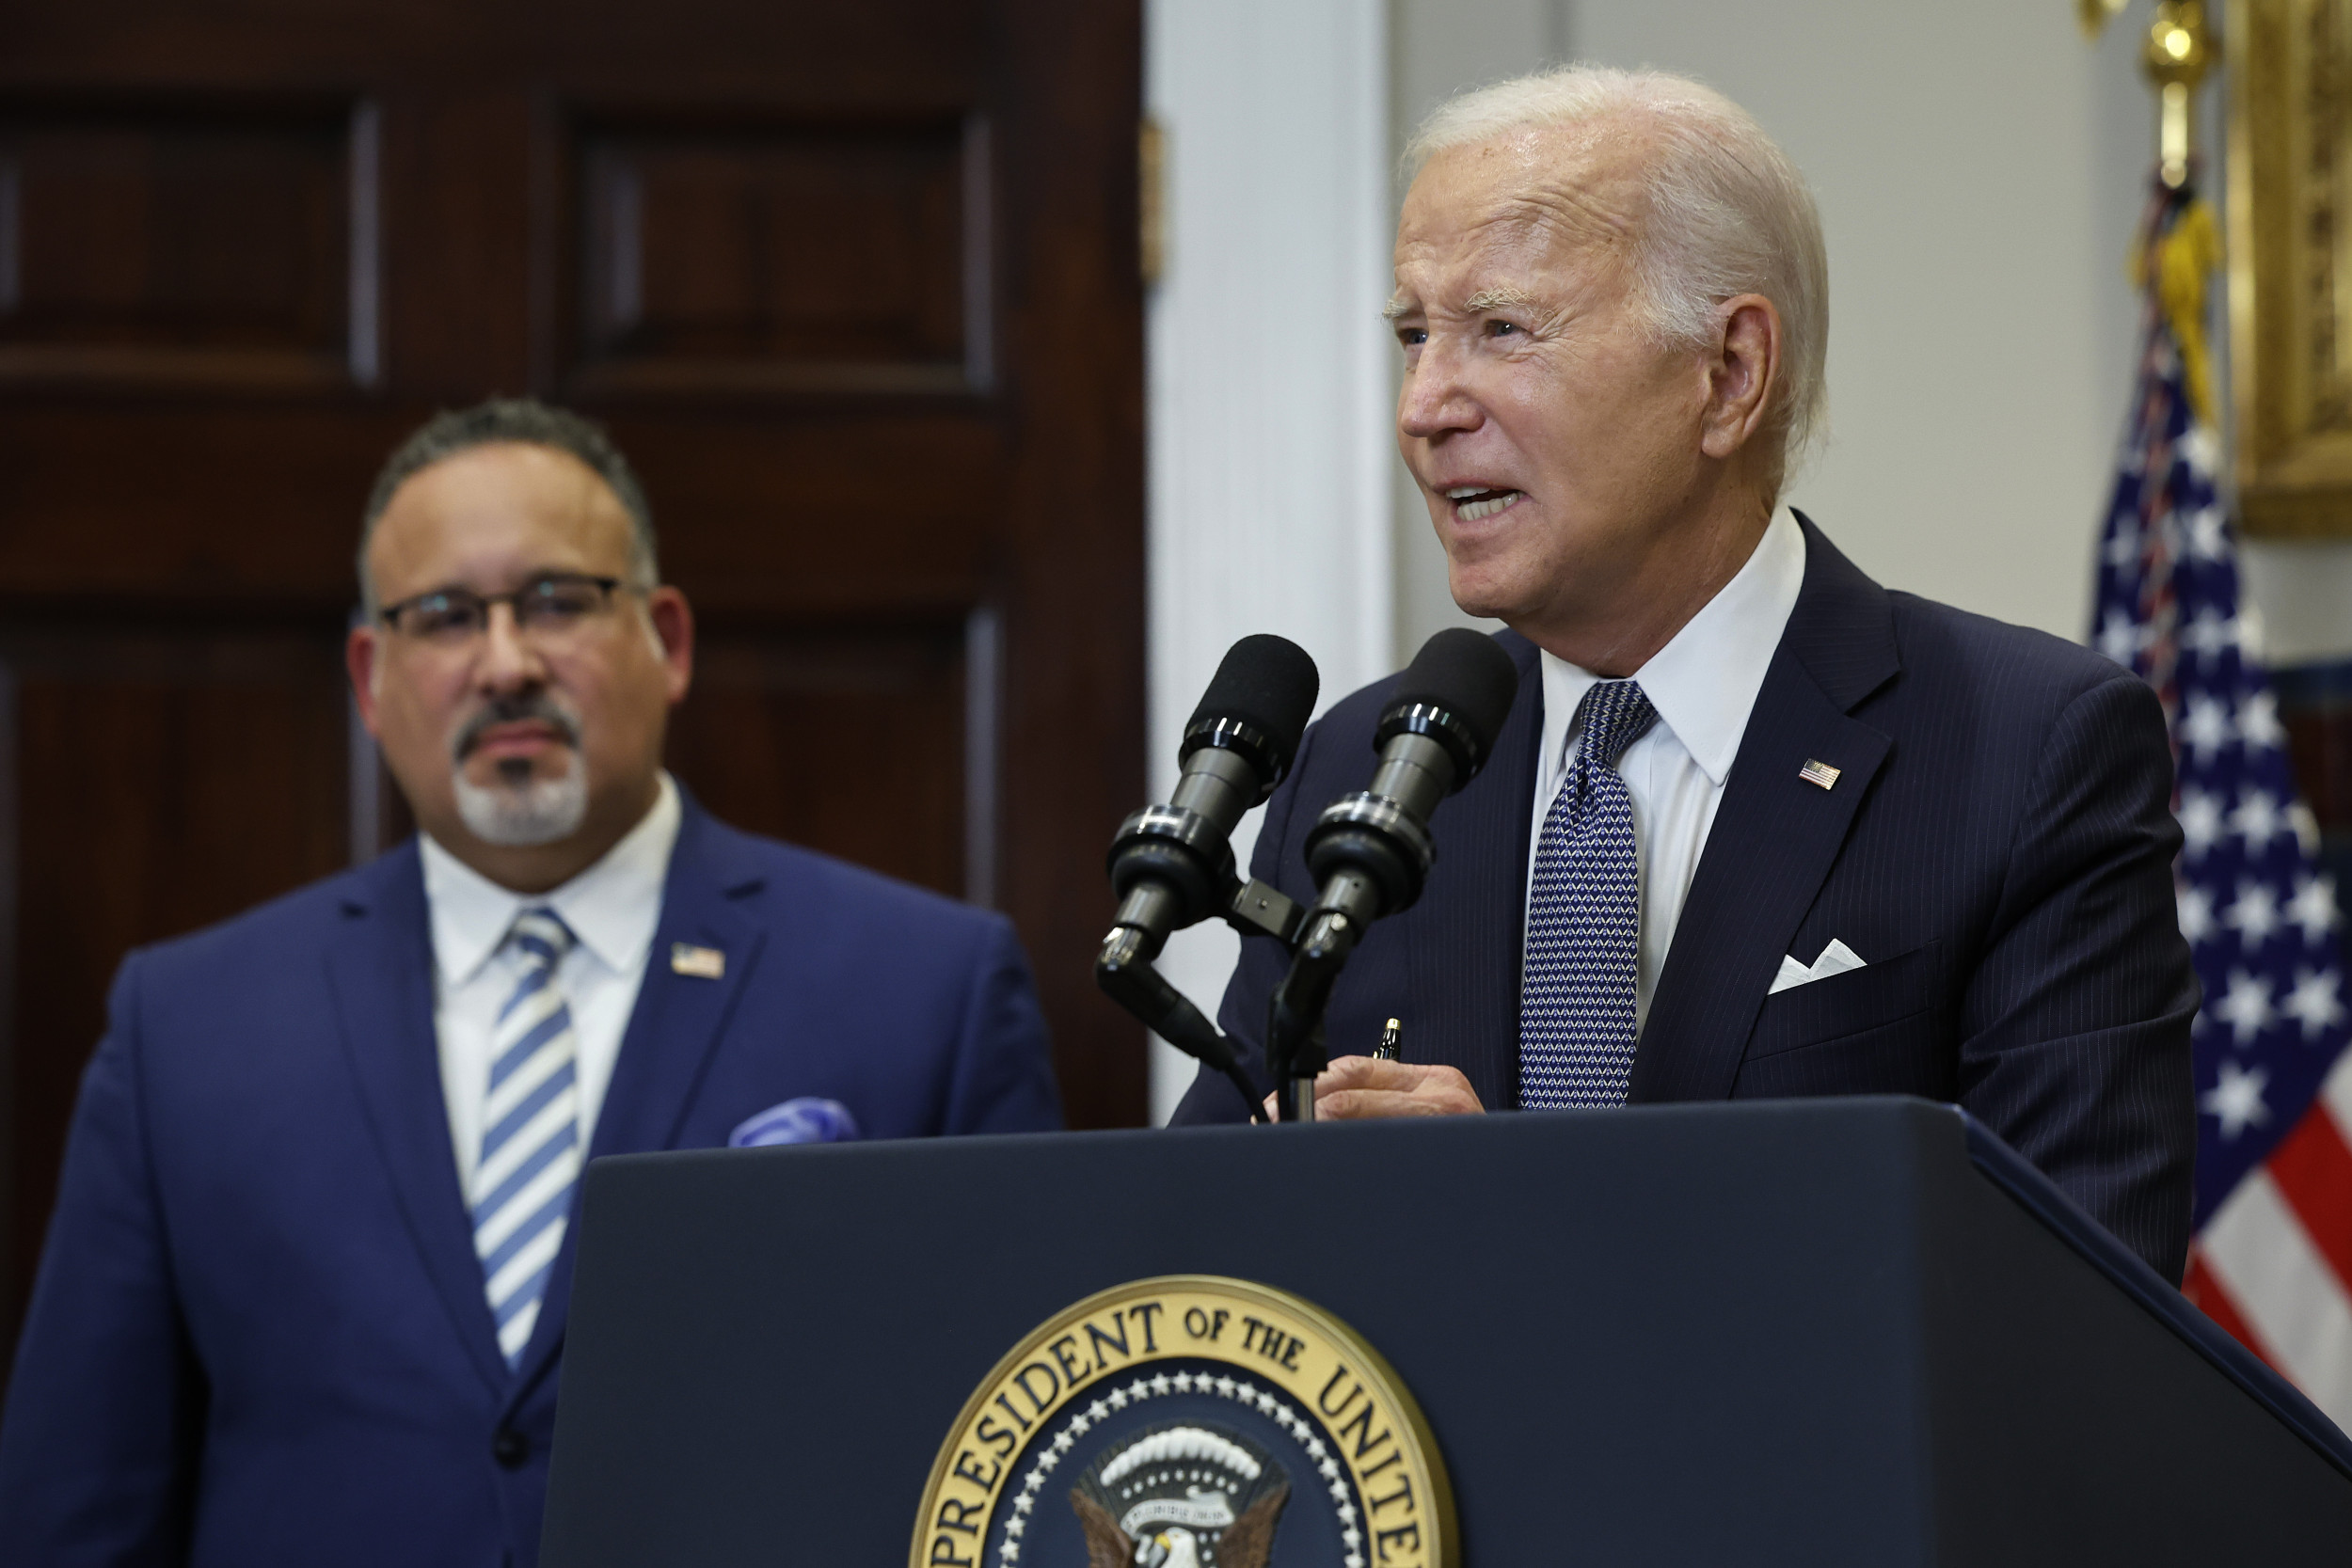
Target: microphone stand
point(1125, 969)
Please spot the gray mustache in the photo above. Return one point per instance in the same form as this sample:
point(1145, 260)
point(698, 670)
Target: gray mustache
point(513, 710)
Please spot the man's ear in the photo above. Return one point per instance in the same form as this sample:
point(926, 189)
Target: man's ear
point(672, 621)
point(361, 649)
point(1742, 376)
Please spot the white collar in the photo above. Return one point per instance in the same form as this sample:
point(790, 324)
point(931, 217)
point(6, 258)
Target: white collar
point(611, 907)
point(1703, 681)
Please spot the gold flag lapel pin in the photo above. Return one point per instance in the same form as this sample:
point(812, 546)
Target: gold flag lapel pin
point(700, 963)
point(1818, 772)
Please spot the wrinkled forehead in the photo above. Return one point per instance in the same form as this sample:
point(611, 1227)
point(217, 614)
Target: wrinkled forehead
point(1532, 201)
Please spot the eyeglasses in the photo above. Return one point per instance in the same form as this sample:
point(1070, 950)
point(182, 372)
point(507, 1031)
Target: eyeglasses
point(549, 605)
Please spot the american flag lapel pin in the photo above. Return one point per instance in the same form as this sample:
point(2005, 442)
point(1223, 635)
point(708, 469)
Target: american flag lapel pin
point(699, 963)
point(1816, 771)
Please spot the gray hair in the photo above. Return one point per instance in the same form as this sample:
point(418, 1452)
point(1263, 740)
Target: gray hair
point(1727, 214)
point(533, 423)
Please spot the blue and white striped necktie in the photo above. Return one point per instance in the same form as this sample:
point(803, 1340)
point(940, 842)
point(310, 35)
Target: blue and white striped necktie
point(522, 1185)
point(1584, 918)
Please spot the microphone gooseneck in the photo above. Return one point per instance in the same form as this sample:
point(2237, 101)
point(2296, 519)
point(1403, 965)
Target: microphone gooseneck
point(1371, 852)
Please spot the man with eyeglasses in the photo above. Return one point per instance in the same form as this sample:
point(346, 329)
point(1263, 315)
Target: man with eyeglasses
point(303, 1298)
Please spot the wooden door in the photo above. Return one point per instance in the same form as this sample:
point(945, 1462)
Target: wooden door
point(854, 286)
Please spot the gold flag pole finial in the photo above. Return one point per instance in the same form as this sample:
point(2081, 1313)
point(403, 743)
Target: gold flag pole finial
point(2178, 54)
point(2180, 244)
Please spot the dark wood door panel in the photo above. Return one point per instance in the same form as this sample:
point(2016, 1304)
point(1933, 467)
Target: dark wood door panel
point(191, 498)
point(163, 780)
point(776, 255)
point(812, 512)
point(851, 740)
point(175, 243)
point(885, 51)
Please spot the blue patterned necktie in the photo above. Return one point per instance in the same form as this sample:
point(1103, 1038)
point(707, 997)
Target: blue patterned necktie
point(522, 1186)
point(1584, 919)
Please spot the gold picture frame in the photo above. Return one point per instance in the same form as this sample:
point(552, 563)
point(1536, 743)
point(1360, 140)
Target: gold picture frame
point(2290, 268)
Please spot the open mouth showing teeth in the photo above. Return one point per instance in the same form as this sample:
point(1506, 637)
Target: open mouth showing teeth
point(1471, 503)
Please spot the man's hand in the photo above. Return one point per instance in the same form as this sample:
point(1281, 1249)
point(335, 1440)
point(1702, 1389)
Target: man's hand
point(1354, 1087)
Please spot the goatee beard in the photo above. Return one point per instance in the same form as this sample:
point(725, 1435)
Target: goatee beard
point(522, 814)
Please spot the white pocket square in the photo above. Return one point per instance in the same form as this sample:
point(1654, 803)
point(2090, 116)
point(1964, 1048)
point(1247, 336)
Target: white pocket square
point(1836, 959)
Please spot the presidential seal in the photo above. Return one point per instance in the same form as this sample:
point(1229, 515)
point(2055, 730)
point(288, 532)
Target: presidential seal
point(1189, 1421)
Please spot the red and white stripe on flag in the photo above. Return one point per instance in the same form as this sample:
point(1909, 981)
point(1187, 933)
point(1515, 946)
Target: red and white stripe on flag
point(2274, 1264)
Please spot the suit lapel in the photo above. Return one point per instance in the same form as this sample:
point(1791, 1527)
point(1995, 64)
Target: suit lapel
point(672, 1033)
point(1776, 835)
point(380, 968)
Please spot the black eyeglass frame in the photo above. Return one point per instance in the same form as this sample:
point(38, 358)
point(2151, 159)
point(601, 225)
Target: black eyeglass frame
point(606, 588)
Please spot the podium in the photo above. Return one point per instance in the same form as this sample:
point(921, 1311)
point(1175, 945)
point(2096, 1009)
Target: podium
point(1820, 1332)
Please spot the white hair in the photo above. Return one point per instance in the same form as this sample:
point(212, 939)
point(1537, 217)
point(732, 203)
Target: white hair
point(1727, 213)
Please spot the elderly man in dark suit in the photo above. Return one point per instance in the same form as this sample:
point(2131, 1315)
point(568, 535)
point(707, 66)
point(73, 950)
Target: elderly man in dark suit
point(1755, 825)
point(303, 1299)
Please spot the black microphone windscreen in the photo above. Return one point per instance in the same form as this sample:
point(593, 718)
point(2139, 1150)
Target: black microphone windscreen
point(1267, 682)
point(1467, 674)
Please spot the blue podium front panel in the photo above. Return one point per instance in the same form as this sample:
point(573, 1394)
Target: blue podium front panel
point(1806, 1332)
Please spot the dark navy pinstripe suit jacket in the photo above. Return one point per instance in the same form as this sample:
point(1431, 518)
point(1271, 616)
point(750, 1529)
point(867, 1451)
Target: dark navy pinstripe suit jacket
point(1998, 848)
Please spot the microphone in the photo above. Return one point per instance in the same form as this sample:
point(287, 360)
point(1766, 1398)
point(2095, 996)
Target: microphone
point(1173, 864)
point(1370, 852)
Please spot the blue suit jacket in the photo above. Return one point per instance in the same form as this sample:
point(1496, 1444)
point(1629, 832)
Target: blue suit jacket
point(1998, 848)
point(259, 1334)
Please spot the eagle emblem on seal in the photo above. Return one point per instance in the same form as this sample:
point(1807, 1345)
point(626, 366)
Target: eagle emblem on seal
point(1180, 1495)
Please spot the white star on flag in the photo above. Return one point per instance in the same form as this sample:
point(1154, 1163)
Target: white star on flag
point(2258, 720)
point(2200, 449)
point(2249, 630)
point(2255, 915)
point(2236, 1101)
point(2205, 728)
point(2246, 1008)
point(2195, 912)
point(2204, 534)
point(2209, 634)
point(2119, 639)
point(2314, 908)
point(2258, 819)
point(2200, 822)
point(2313, 1003)
point(2306, 828)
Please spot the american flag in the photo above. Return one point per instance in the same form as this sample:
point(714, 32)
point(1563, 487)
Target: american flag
point(2272, 1259)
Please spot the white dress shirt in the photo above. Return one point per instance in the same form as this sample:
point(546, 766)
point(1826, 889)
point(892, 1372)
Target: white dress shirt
point(1703, 685)
point(612, 909)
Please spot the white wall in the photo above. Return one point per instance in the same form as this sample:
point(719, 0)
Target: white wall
point(1268, 400)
